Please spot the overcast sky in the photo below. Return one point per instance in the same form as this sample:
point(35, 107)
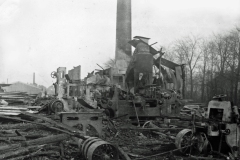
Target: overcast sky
point(41, 35)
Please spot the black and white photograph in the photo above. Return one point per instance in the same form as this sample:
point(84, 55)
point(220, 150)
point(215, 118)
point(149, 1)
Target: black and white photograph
point(119, 79)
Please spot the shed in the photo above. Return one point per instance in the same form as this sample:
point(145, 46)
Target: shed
point(22, 87)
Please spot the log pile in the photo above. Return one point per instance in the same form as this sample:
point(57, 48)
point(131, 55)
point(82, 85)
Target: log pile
point(22, 139)
point(16, 97)
point(16, 110)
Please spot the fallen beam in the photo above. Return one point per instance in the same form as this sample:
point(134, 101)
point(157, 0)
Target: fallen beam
point(150, 129)
point(21, 126)
point(123, 154)
point(35, 154)
point(18, 138)
point(61, 125)
point(20, 151)
point(10, 147)
point(47, 140)
point(74, 132)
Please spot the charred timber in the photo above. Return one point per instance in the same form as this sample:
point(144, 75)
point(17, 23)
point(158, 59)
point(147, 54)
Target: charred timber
point(46, 140)
point(35, 154)
point(20, 151)
point(20, 126)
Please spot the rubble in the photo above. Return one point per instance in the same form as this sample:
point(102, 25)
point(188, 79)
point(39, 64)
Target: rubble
point(35, 136)
point(28, 135)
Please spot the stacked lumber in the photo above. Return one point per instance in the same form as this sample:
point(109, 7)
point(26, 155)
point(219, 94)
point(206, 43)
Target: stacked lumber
point(16, 110)
point(14, 97)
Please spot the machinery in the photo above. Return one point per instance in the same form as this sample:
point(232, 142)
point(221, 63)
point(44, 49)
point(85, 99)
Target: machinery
point(50, 104)
point(56, 103)
point(153, 100)
point(67, 85)
point(94, 148)
point(154, 103)
point(118, 99)
point(218, 132)
point(86, 121)
point(63, 91)
point(89, 120)
point(61, 81)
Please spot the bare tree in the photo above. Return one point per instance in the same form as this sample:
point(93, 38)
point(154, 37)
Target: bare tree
point(205, 49)
point(213, 62)
point(236, 48)
point(188, 49)
point(222, 48)
point(110, 63)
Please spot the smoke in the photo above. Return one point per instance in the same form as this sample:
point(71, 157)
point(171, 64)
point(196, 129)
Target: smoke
point(122, 60)
point(122, 55)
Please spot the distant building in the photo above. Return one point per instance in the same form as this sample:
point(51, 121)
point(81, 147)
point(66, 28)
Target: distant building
point(3, 85)
point(22, 87)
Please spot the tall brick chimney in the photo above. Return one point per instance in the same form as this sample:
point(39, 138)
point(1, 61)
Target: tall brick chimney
point(123, 32)
point(34, 78)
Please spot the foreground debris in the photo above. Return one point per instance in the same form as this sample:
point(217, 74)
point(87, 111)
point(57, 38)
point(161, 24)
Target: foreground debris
point(35, 136)
point(29, 136)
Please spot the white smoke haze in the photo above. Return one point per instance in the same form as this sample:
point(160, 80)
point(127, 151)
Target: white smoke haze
point(122, 60)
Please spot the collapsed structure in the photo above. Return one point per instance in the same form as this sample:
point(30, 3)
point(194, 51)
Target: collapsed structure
point(93, 114)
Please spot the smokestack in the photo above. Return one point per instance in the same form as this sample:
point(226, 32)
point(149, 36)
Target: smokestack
point(33, 77)
point(123, 31)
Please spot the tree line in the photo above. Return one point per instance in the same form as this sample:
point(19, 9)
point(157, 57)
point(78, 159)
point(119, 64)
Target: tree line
point(212, 65)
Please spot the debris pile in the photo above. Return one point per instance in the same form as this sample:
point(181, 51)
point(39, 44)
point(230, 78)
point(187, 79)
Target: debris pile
point(15, 97)
point(22, 139)
point(28, 136)
point(93, 135)
point(144, 142)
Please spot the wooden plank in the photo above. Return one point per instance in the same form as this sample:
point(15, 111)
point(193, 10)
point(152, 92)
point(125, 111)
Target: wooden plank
point(9, 111)
point(17, 138)
point(123, 154)
point(61, 125)
point(20, 126)
point(22, 106)
point(20, 151)
point(73, 131)
point(47, 140)
point(9, 114)
point(35, 154)
point(13, 93)
point(12, 108)
point(34, 107)
point(11, 147)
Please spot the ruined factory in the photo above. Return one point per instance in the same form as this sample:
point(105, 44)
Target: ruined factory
point(134, 109)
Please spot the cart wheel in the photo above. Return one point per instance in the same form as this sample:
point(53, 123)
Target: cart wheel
point(188, 143)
